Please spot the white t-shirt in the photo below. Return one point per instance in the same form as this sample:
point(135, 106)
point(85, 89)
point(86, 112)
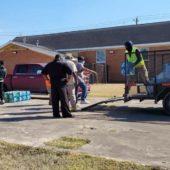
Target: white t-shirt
point(74, 69)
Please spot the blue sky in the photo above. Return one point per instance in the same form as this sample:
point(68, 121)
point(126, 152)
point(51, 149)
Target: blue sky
point(32, 17)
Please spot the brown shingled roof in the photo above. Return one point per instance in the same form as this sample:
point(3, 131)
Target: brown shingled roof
point(113, 36)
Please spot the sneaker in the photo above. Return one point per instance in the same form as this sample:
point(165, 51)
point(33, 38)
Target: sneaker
point(84, 102)
point(127, 97)
point(73, 109)
point(77, 105)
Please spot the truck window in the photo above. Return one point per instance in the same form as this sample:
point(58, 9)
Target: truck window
point(35, 69)
point(21, 69)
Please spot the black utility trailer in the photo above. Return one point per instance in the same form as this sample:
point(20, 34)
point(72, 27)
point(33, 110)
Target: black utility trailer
point(158, 88)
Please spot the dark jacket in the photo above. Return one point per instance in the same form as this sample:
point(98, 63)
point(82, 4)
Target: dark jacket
point(3, 73)
point(57, 72)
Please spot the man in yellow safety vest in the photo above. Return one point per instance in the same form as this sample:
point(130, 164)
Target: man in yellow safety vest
point(135, 58)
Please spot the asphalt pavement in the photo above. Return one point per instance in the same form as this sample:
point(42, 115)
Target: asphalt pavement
point(132, 131)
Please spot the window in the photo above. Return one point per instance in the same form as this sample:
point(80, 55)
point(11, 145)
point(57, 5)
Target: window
point(35, 69)
point(100, 56)
point(22, 69)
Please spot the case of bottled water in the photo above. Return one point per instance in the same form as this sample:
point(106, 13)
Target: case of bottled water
point(17, 96)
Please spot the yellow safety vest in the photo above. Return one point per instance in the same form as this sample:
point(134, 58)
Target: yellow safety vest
point(132, 58)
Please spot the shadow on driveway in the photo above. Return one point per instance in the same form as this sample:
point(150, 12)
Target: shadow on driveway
point(17, 119)
point(24, 113)
point(101, 112)
point(129, 114)
point(26, 105)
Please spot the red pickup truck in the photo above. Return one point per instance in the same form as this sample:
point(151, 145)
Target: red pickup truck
point(29, 77)
point(26, 77)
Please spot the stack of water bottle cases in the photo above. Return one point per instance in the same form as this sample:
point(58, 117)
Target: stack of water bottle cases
point(17, 96)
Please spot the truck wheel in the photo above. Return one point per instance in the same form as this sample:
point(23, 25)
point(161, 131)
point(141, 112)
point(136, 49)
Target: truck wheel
point(166, 103)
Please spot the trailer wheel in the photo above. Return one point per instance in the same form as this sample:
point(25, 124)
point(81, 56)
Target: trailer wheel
point(166, 103)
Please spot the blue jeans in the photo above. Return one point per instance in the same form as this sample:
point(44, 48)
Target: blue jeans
point(84, 89)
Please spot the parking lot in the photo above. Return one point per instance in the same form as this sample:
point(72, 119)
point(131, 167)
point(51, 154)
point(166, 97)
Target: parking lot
point(125, 131)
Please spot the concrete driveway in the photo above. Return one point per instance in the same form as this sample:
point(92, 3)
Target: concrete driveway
point(132, 131)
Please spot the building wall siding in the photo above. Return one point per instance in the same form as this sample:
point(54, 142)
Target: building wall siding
point(113, 61)
point(24, 56)
point(114, 58)
point(90, 56)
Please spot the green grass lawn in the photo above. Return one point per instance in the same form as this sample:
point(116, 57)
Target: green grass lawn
point(20, 157)
point(68, 143)
point(106, 90)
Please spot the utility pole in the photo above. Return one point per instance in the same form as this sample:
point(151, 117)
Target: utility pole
point(136, 20)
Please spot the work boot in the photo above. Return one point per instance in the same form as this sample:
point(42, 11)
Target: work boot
point(68, 116)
